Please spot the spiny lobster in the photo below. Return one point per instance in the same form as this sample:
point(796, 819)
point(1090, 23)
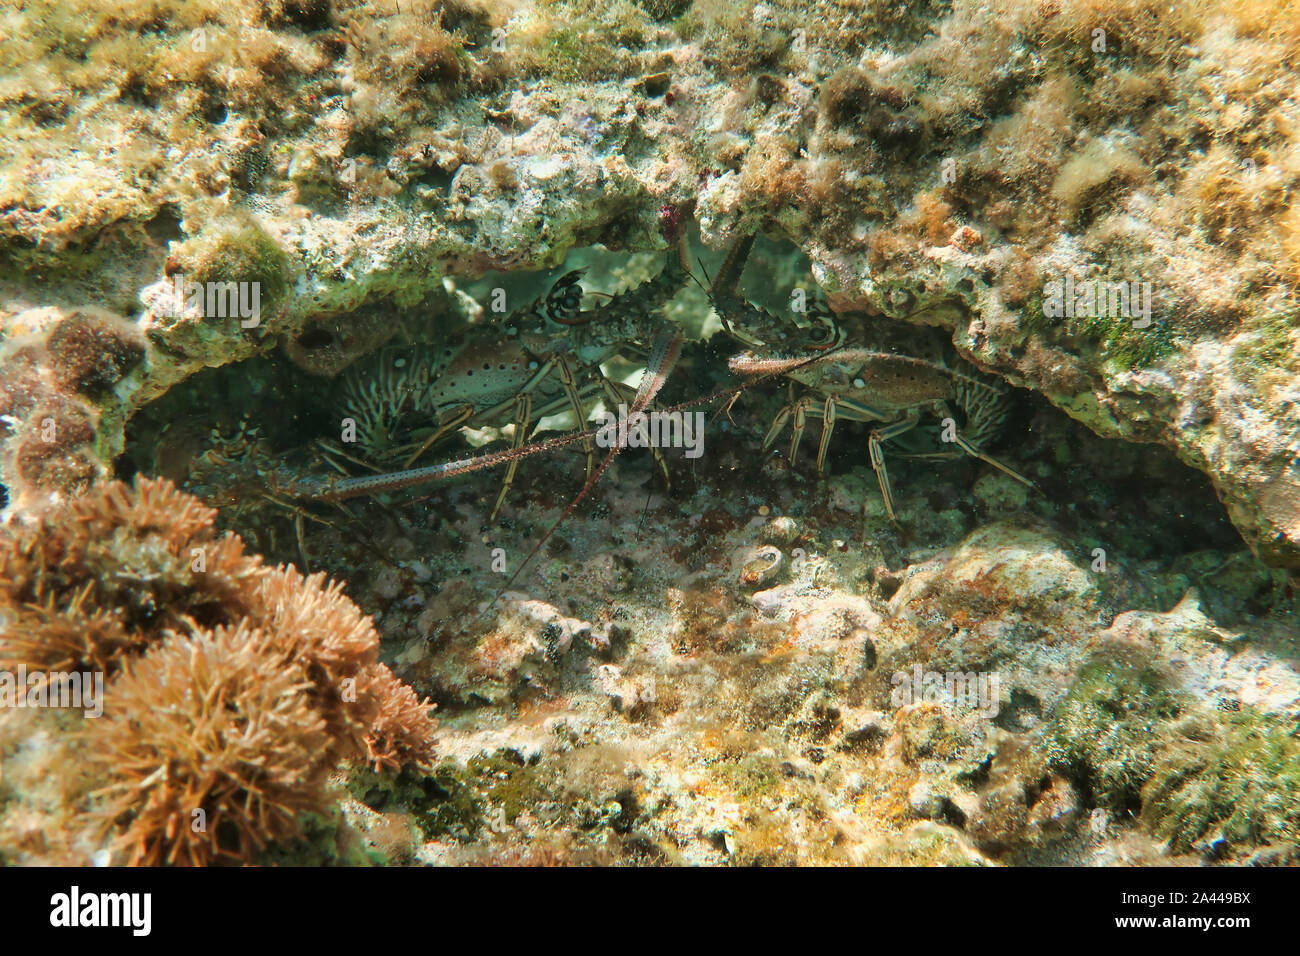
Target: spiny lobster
point(857, 382)
point(542, 359)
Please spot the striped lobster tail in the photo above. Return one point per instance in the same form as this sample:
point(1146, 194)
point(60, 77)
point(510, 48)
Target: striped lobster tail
point(986, 407)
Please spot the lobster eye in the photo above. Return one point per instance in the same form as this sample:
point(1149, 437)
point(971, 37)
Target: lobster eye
point(822, 336)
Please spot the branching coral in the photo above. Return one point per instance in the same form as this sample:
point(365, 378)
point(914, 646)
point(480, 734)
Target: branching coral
point(214, 747)
point(390, 742)
point(235, 689)
point(111, 572)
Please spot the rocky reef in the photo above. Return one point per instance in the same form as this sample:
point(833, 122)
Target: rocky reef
point(938, 164)
point(227, 230)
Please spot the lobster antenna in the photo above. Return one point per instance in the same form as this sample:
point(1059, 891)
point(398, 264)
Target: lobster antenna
point(734, 261)
point(661, 363)
point(700, 262)
point(663, 359)
point(706, 289)
point(709, 291)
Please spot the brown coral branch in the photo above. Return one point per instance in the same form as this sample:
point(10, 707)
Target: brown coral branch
point(235, 689)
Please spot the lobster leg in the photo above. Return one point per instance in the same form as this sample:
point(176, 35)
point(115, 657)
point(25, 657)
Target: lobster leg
point(329, 450)
point(828, 425)
point(877, 438)
point(800, 412)
point(835, 408)
point(570, 383)
point(974, 452)
point(797, 412)
point(882, 473)
point(523, 415)
point(463, 414)
point(778, 424)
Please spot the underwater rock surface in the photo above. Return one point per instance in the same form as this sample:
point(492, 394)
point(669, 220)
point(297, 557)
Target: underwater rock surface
point(936, 165)
point(213, 215)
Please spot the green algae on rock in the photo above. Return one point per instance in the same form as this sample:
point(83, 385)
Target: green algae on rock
point(1220, 782)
